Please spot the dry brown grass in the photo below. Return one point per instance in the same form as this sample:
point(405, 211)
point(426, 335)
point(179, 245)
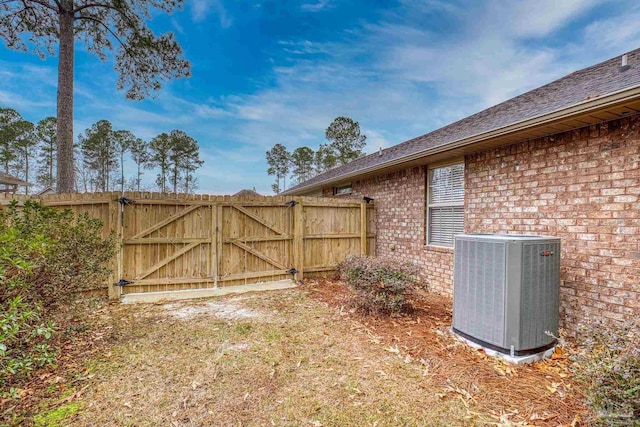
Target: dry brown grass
point(301, 358)
point(295, 364)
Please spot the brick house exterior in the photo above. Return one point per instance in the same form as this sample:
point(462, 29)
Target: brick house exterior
point(582, 185)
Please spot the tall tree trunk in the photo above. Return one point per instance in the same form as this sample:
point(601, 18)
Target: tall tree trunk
point(138, 180)
point(122, 172)
point(26, 170)
point(50, 182)
point(175, 180)
point(163, 187)
point(107, 171)
point(65, 100)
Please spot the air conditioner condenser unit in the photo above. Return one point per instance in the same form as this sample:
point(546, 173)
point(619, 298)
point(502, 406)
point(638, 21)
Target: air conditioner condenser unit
point(506, 294)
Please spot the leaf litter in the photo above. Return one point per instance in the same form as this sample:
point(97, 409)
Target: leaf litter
point(494, 391)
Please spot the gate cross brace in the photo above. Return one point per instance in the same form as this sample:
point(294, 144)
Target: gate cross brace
point(166, 221)
point(166, 261)
point(258, 219)
point(259, 255)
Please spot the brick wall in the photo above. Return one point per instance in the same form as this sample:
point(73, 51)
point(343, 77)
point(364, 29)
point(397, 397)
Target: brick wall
point(400, 224)
point(582, 186)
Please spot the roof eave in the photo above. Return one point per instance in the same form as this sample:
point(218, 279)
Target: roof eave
point(15, 182)
point(554, 116)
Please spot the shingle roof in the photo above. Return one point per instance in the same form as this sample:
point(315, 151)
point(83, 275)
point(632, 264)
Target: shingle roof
point(595, 81)
point(248, 193)
point(6, 179)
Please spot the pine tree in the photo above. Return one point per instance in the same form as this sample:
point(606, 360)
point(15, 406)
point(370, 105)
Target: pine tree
point(345, 139)
point(160, 152)
point(85, 177)
point(25, 144)
point(177, 156)
point(12, 125)
point(141, 156)
point(99, 151)
point(185, 159)
point(191, 163)
point(278, 159)
point(324, 159)
point(48, 151)
point(302, 160)
point(123, 141)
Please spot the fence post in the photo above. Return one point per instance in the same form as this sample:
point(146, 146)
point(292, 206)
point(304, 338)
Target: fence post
point(213, 250)
point(363, 228)
point(298, 239)
point(114, 291)
point(219, 240)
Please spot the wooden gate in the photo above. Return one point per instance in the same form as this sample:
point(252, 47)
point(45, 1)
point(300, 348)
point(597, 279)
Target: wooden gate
point(166, 246)
point(171, 243)
point(256, 242)
point(192, 244)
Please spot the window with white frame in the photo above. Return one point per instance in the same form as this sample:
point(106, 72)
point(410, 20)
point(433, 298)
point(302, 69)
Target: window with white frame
point(445, 204)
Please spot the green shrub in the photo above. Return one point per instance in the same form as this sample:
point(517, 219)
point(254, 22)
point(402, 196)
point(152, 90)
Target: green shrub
point(608, 367)
point(23, 335)
point(381, 286)
point(76, 257)
point(46, 256)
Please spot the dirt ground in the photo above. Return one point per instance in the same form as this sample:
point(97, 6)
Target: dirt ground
point(298, 357)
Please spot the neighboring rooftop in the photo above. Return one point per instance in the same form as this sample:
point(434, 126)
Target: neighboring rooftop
point(46, 191)
point(10, 180)
point(248, 193)
point(579, 87)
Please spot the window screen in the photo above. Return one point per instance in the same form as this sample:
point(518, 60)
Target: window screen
point(445, 204)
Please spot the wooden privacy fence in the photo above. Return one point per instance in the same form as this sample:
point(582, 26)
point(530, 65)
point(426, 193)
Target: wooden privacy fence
point(167, 242)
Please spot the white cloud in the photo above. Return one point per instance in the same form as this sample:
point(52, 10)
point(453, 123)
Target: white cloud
point(618, 34)
point(202, 9)
point(318, 6)
point(21, 103)
point(536, 19)
point(491, 58)
point(178, 27)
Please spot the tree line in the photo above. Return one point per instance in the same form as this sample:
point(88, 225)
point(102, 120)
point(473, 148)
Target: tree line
point(344, 144)
point(101, 153)
point(143, 60)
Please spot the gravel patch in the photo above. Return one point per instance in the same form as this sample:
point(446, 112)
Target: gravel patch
point(220, 310)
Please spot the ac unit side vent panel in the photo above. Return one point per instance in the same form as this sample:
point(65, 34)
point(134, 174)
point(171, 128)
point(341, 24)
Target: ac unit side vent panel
point(540, 302)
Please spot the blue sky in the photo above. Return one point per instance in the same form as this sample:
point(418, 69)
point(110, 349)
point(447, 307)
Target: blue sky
point(267, 72)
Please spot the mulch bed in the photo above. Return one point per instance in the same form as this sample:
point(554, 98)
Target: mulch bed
point(541, 394)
